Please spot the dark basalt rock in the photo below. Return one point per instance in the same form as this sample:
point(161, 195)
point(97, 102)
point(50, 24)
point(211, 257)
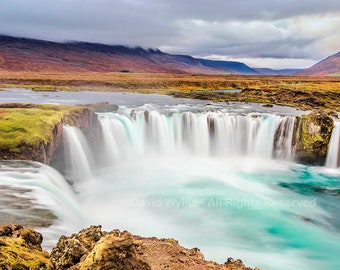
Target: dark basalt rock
point(312, 136)
point(103, 107)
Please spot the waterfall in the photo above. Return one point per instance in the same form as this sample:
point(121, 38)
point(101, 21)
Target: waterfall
point(283, 141)
point(36, 194)
point(264, 138)
point(166, 168)
point(333, 154)
point(78, 156)
point(214, 133)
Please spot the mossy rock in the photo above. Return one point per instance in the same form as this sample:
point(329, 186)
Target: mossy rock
point(312, 138)
point(21, 248)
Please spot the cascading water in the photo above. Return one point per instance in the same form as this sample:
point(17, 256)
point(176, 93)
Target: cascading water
point(196, 133)
point(35, 194)
point(333, 154)
point(283, 141)
point(78, 157)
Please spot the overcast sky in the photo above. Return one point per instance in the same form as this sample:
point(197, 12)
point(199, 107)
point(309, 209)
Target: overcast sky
point(261, 33)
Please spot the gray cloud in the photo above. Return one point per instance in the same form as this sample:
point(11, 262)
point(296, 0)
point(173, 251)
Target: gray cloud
point(306, 29)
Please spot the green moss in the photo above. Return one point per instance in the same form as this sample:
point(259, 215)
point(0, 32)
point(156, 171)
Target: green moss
point(15, 252)
point(30, 124)
point(313, 137)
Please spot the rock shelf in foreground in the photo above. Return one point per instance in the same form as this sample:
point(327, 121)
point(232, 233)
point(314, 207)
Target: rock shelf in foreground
point(92, 248)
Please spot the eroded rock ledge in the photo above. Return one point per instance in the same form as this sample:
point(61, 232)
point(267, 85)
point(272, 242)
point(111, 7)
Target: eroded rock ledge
point(93, 248)
point(311, 138)
point(84, 118)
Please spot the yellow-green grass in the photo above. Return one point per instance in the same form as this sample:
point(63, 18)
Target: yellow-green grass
point(325, 101)
point(29, 124)
point(156, 81)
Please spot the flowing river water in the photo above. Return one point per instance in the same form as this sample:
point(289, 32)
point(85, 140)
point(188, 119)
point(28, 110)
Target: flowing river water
point(221, 177)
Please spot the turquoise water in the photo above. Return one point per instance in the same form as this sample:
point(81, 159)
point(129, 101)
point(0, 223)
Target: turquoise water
point(270, 214)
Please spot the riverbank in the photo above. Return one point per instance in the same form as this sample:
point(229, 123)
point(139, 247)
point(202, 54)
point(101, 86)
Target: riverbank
point(311, 93)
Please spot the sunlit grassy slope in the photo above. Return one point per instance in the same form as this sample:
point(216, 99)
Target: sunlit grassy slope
point(29, 124)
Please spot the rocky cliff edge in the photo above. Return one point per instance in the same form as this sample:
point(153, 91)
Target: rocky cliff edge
point(92, 248)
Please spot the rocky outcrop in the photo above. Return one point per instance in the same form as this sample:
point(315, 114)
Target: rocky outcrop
point(47, 150)
point(86, 120)
point(20, 249)
point(312, 136)
point(93, 248)
point(37, 136)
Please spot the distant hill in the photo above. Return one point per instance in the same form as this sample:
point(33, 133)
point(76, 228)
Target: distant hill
point(268, 71)
point(23, 54)
point(229, 66)
point(327, 67)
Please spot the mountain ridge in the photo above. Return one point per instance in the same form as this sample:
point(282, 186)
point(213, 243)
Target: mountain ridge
point(25, 54)
point(330, 66)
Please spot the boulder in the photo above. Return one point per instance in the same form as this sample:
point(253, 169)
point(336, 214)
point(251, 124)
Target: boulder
point(312, 136)
point(69, 250)
point(21, 248)
point(103, 107)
